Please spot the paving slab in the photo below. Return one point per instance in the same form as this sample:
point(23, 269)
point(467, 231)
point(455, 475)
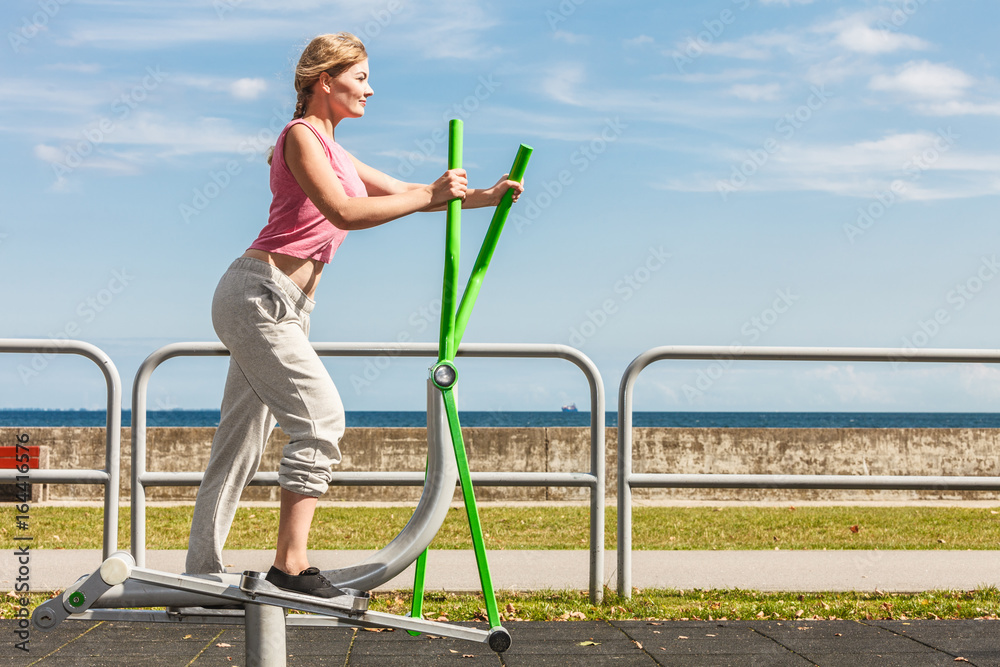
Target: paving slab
point(572, 643)
point(976, 640)
point(840, 642)
point(668, 641)
point(548, 644)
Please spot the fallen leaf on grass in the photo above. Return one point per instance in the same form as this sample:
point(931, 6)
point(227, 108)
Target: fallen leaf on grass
point(589, 643)
point(855, 528)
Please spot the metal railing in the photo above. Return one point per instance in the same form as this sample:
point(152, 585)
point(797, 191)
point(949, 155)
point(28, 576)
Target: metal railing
point(594, 480)
point(110, 476)
point(627, 480)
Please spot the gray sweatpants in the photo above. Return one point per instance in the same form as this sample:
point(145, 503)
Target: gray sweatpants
point(262, 317)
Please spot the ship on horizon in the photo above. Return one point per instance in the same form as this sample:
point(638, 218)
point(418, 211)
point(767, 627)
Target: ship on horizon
point(570, 408)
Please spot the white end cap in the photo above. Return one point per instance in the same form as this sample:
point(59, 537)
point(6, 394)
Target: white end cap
point(117, 568)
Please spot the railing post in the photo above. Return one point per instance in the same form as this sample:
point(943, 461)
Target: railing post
point(110, 477)
point(594, 480)
point(626, 478)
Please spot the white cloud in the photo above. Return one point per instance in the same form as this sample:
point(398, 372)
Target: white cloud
point(958, 108)
point(722, 76)
point(442, 29)
point(768, 92)
point(247, 88)
point(448, 29)
point(852, 386)
point(143, 34)
point(49, 154)
point(79, 68)
point(562, 81)
point(862, 168)
point(855, 34)
point(823, 40)
point(570, 38)
point(753, 47)
point(924, 79)
point(639, 41)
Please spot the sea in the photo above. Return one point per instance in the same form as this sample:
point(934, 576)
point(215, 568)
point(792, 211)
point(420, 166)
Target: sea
point(59, 418)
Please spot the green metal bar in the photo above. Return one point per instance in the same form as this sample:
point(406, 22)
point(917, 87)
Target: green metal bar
point(489, 245)
point(417, 606)
point(478, 543)
point(449, 295)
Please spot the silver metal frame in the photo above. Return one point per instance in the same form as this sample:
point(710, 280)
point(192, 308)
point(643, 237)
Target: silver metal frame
point(594, 480)
point(627, 480)
point(110, 476)
point(262, 606)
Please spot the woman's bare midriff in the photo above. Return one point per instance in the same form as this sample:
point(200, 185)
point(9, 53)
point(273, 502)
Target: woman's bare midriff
point(304, 272)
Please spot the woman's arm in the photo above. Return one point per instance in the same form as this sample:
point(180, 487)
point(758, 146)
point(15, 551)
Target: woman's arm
point(380, 184)
point(312, 171)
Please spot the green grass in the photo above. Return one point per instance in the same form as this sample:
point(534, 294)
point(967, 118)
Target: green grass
point(667, 605)
point(738, 527)
point(654, 528)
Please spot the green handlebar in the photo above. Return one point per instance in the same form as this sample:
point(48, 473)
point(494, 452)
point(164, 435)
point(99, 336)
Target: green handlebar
point(449, 295)
point(489, 245)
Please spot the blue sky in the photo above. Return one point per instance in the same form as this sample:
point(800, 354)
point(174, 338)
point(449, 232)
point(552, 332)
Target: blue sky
point(751, 172)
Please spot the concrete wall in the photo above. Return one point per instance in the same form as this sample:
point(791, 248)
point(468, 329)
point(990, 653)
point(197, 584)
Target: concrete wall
point(689, 450)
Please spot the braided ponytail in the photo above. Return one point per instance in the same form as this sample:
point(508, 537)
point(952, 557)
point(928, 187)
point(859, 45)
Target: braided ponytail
point(332, 54)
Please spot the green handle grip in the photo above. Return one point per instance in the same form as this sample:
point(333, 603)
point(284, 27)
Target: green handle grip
point(489, 245)
point(449, 295)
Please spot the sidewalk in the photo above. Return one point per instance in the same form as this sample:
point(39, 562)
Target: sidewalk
point(886, 571)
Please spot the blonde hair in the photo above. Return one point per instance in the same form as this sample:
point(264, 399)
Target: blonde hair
point(332, 54)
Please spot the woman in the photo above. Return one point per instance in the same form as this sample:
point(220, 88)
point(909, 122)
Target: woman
point(262, 304)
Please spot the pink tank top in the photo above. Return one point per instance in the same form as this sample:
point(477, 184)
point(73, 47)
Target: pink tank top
point(295, 226)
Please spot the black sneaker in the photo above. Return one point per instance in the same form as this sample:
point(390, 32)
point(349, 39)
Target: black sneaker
point(308, 581)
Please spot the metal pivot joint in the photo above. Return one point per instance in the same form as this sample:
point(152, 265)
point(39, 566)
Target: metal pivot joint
point(444, 375)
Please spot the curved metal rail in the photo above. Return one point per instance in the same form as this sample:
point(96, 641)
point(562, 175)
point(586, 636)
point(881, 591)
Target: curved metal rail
point(111, 475)
point(419, 531)
point(440, 478)
point(627, 480)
